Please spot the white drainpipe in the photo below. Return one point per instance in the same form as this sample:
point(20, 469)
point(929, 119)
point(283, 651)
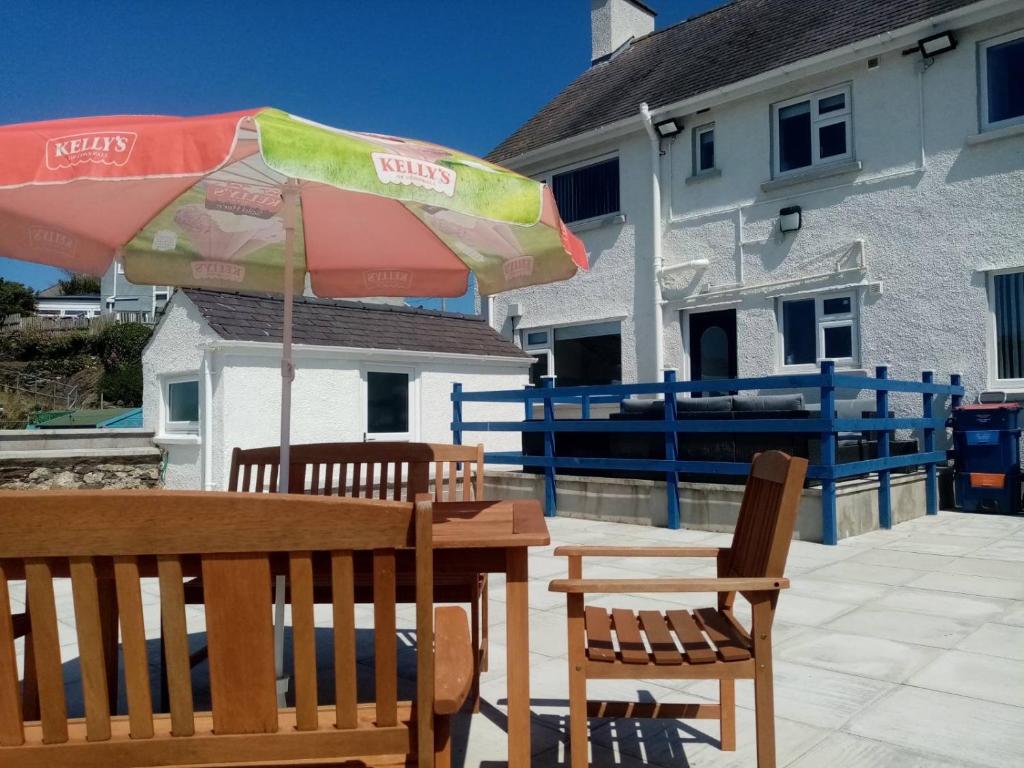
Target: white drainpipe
point(206, 448)
point(659, 345)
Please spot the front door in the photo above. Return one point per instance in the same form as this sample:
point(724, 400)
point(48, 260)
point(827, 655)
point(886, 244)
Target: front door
point(712, 345)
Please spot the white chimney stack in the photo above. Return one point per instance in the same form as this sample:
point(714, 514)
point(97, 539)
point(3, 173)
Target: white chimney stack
point(613, 22)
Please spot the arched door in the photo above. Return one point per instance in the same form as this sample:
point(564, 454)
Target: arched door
point(712, 345)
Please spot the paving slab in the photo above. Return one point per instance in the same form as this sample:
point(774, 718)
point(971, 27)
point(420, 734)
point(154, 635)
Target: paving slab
point(966, 584)
point(971, 731)
point(996, 640)
point(977, 675)
point(873, 657)
point(933, 602)
point(852, 570)
point(842, 750)
point(904, 626)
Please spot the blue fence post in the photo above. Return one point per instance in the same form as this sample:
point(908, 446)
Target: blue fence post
point(829, 523)
point(457, 413)
point(585, 407)
point(955, 380)
point(884, 486)
point(672, 477)
point(550, 502)
point(931, 488)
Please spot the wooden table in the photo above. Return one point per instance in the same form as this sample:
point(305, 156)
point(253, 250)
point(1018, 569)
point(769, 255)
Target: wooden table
point(495, 537)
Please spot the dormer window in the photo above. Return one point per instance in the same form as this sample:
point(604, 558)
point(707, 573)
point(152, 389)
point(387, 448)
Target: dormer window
point(813, 130)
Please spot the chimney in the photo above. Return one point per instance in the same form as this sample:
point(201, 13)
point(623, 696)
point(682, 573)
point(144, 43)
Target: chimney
point(613, 22)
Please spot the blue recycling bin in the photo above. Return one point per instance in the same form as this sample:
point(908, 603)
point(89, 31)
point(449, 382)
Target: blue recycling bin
point(987, 464)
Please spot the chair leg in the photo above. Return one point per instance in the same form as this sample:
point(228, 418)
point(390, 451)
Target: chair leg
point(474, 613)
point(442, 742)
point(578, 742)
point(727, 701)
point(764, 696)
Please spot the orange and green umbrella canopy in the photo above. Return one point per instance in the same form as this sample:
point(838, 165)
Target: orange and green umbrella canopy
point(204, 202)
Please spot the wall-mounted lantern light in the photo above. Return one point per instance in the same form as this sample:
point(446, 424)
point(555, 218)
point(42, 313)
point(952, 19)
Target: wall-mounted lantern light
point(668, 128)
point(791, 219)
point(936, 44)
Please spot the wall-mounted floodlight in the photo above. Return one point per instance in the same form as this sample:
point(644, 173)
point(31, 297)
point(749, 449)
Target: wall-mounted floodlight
point(791, 218)
point(936, 44)
point(668, 128)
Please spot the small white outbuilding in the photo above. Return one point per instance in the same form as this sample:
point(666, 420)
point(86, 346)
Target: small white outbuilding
point(364, 371)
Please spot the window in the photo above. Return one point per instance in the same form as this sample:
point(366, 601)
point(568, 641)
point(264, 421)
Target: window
point(182, 406)
point(819, 328)
point(703, 149)
point(387, 403)
point(161, 295)
point(1002, 81)
point(1006, 294)
point(120, 267)
point(579, 354)
point(813, 130)
point(587, 192)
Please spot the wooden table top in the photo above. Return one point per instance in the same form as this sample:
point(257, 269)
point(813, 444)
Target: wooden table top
point(489, 524)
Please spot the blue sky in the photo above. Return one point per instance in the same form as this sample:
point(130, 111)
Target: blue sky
point(463, 73)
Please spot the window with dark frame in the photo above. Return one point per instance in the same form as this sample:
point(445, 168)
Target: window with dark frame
point(1008, 308)
point(1002, 64)
point(581, 355)
point(387, 402)
point(588, 191)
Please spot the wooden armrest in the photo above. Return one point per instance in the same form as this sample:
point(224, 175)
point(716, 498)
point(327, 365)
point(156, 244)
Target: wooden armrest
point(453, 659)
point(597, 551)
point(608, 586)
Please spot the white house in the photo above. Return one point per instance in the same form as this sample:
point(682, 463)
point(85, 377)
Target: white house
point(364, 371)
point(775, 182)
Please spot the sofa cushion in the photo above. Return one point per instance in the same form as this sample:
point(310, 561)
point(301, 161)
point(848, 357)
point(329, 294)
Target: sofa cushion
point(793, 402)
point(703, 404)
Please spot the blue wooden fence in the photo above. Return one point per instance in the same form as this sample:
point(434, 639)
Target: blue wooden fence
point(827, 426)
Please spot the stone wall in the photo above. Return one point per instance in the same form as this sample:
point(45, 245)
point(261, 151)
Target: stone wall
point(42, 472)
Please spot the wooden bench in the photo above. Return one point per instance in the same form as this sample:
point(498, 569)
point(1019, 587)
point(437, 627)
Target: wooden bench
point(238, 543)
point(384, 470)
point(613, 644)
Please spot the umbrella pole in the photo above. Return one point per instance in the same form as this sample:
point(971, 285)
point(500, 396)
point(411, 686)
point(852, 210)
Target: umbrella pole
point(291, 195)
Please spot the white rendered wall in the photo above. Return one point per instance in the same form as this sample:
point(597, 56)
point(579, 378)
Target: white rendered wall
point(928, 233)
point(328, 400)
point(175, 350)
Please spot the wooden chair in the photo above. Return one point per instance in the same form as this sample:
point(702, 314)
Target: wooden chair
point(611, 644)
point(395, 470)
point(109, 540)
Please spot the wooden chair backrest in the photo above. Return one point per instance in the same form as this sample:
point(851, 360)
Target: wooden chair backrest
point(237, 543)
point(767, 516)
point(381, 470)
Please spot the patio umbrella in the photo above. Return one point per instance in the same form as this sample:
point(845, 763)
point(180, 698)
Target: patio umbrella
point(262, 200)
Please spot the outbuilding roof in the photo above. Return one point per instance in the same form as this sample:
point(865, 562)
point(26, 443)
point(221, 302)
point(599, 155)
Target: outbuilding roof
point(725, 45)
point(364, 325)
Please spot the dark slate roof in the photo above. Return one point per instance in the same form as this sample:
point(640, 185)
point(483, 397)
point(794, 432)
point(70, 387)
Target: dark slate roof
point(330, 323)
point(722, 46)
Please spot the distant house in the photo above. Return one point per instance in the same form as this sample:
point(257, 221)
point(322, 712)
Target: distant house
point(364, 371)
point(129, 302)
point(806, 180)
point(50, 302)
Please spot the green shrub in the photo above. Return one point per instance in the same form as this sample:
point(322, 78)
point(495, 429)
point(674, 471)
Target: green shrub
point(122, 385)
point(122, 344)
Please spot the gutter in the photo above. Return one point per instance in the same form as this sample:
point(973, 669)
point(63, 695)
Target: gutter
point(273, 349)
point(207, 419)
point(974, 13)
point(656, 236)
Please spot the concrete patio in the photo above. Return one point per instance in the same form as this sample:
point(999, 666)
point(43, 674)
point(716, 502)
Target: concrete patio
point(896, 648)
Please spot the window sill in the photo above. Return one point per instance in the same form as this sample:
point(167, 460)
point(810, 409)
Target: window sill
point(814, 174)
point(995, 134)
point(597, 222)
point(184, 438)
point(697, 178)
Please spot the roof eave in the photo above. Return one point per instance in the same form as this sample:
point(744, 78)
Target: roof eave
point(273, 348)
